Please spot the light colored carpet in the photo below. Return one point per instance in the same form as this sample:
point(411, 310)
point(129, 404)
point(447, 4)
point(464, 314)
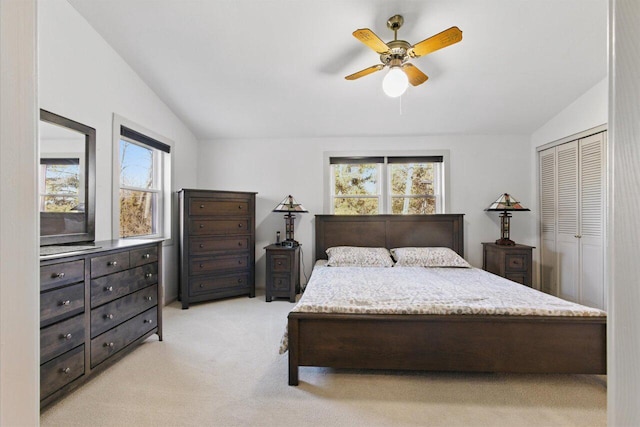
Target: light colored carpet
point(219, 366)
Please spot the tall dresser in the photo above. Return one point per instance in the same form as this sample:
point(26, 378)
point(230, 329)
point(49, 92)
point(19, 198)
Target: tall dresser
point(95, 306)
point(217, 245)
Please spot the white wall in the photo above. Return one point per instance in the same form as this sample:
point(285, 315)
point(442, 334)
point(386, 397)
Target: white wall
point(481, 168)
point(623, 228)
point(588, 111)
point(19, 308)
point(81, 77)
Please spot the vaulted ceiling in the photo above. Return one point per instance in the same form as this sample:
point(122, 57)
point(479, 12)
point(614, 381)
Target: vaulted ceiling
point(267, 68)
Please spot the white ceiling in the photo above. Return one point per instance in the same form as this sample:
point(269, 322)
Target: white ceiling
point(267, 68)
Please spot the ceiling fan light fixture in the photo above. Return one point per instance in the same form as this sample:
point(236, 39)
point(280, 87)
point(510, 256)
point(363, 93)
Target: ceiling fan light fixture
point(395, 83)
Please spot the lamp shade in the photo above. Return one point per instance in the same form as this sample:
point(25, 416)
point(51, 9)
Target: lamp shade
point(289, 204)
point(506, 202)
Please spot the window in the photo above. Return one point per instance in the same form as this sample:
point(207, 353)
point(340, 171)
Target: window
point(403, 185)
point(143, 195)
point(60, 185)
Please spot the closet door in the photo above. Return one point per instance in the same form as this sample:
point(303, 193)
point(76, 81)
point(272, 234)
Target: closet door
point(591, 230)
point(548, 273)
point(567, 246)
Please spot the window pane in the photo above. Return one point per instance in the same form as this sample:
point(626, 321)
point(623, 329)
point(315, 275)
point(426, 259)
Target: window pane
point(413, 205)
point(137, 209)
point(353, 206)
point(411, 178)
point(351, 179)
point(60, 204)
point(136, 165)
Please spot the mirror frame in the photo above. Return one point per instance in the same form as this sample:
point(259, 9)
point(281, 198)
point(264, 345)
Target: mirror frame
point(90, 181)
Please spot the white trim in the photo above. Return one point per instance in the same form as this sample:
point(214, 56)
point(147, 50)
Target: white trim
point(168, 232)
point(579, 135)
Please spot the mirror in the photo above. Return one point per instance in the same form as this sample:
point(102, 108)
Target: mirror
point(66, 180)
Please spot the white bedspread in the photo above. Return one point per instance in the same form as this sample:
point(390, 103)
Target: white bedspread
point(417, 290)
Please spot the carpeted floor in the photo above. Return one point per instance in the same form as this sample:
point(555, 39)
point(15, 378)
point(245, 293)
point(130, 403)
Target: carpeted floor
point(219, 366)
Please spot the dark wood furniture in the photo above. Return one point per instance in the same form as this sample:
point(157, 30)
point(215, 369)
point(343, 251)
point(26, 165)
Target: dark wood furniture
point(217, 245)
point(283, 272)
point(466, 343)
point(95, 306)
point(511, 262)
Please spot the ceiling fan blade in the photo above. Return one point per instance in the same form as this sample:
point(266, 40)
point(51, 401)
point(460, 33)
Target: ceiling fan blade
point(433, 43)
point(365, 72)
point(416, 77)
point(370, 38)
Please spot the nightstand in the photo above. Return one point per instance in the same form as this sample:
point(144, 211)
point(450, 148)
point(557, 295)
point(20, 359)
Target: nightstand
point(283, 272)
point(511, 262)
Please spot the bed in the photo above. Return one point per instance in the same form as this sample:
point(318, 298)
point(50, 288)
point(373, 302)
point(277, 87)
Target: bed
point(434, 342)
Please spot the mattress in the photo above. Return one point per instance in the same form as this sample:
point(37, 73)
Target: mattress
point(435, 291)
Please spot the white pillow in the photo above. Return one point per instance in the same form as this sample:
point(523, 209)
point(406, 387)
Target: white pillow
point(354, 256)
point(428, 257)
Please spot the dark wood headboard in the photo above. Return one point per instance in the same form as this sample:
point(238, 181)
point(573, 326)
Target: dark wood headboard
point(389, 231)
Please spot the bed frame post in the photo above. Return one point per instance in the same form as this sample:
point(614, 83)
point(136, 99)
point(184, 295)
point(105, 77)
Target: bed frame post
point(293, 350)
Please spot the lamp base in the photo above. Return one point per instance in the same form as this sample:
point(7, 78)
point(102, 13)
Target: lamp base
point(505, 242)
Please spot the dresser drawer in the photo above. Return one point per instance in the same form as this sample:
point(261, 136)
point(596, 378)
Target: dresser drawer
point(280, 263)
point(199, 207)
point(203, 285)
point(56, 275)
point(218, 227)
point(203, 245)
point(60, 371)
point(516, 262)
point(143, 256)
point(108, 264)
point(281, 282)
point(112, 314)
point(108, 288)
point(61, 337)
point(119, 337)
point(209, 265)
point(61, 303)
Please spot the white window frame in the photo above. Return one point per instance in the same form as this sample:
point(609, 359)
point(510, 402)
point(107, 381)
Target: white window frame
point(163, 170)
point(438, 193)
point(441, 186)
point(379, 189)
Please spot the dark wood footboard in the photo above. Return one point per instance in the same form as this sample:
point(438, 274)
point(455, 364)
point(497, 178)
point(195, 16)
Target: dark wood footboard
point(460, 343)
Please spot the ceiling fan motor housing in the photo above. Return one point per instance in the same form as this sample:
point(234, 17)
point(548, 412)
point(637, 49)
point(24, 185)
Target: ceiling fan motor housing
point(397, 54)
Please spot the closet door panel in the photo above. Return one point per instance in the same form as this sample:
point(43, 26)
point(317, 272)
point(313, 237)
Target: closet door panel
point(548, 255)
point(567, 246)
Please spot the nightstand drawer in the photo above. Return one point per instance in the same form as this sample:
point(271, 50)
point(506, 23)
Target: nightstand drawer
point(281, 282)
point(516, 262)
point(203, 285)
point(204, 207)
point(280, 263)
point(517, 277)
point(202, 245)
point(61, 337)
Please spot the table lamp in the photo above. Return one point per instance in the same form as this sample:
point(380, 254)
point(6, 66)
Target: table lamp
point(289, 206)
point(505, 204)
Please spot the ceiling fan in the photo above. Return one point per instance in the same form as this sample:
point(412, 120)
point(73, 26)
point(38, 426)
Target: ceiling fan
point(396, 53)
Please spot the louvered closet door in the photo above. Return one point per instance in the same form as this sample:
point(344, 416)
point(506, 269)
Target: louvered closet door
point(567, 221)
point(592, 221)
point(548, 273)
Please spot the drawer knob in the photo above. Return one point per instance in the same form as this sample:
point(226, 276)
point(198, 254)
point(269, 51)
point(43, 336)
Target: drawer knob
point(239, 206)
point(147, 321)
point(65, 370)
point(58, 275)
point(66, 336)
point(279, 281)
point(239, 261)
point(108, 316)
point(65, 302)
point(146, 256)
point(201, 206)
point(201, 285)
point(239, 243)
point(240, 225)
point(148, 275)
point(201, 265)
point(108, 344)
point(112, 263)
point(108, 289)
point(239, 280)
point(201, 225)
point(201, 245)
point(148, 298)
point(279, 262)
